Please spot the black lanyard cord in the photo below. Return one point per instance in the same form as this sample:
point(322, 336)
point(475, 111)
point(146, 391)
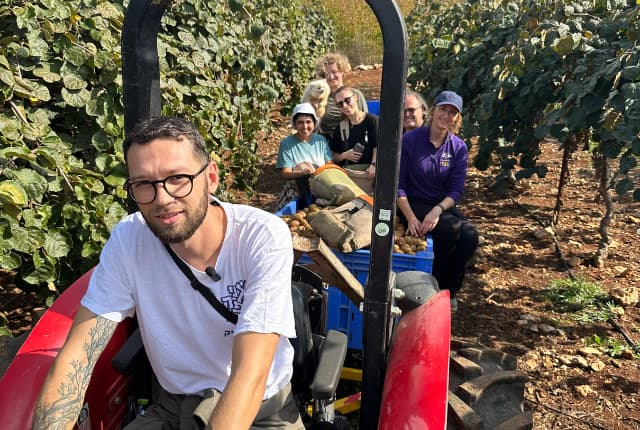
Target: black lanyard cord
point(201, 288)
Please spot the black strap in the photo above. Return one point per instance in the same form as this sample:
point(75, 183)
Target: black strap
point(202, 289)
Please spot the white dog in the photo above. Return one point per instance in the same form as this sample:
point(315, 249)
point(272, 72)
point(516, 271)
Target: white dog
point(317, 93)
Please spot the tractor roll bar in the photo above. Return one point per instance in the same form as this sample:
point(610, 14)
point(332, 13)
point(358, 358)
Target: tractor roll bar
point(140, 63)
point(141, 86)
point(377, 297)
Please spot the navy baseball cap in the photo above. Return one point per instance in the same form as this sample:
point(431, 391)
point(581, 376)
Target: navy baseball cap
point(449, 98)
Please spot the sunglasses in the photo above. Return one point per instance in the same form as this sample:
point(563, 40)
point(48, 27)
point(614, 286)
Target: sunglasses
point(346, 100)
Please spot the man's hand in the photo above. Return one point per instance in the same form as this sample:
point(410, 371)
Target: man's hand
point(250, 365)
point(61, 397)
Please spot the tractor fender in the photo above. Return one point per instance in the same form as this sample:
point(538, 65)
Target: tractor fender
point(415, 387)
point(106, 397)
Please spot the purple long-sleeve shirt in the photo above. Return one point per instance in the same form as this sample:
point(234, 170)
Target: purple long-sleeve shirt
point(429, 173)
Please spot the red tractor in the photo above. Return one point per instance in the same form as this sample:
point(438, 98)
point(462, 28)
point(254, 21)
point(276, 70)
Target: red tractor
point(413, 375)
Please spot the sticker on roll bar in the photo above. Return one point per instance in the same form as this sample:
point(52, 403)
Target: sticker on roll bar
point(382, 229)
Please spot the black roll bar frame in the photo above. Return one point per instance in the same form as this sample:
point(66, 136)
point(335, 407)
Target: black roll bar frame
point(141, 86)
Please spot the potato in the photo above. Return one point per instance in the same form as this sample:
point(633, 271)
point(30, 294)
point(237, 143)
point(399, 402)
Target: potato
point(405, 248)
point(294, 223)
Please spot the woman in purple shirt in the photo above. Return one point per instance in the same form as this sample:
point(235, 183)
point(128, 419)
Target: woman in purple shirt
point(433, 168)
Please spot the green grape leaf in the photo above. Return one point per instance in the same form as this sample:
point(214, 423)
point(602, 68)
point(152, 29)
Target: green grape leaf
point(9, 261)
point(27, 240)
point(76, 98)
point(73, 81)
point(57, 244)
point(13, 193)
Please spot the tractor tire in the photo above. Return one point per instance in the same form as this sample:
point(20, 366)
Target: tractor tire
point(485, 390)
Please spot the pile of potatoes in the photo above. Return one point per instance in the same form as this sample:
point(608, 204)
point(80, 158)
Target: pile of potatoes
point(406, 244)
point(409, 244)
point(299, 222)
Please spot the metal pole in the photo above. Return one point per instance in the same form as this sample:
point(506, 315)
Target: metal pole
point(140, 63)
point(377, 302)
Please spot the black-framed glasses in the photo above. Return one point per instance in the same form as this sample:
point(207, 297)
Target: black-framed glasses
point(411, 110)
point(346, 100)
point(177, 186)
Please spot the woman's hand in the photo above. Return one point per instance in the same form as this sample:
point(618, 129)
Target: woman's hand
point(351, 155)
point(414, 227)
point(431, 220)
point(371, 171)
point(305, 167)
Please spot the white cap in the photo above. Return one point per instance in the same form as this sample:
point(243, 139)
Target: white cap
point(305, 108)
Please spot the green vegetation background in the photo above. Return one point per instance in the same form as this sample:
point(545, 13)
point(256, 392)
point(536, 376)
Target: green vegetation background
point(357, 33)
point(527, 70)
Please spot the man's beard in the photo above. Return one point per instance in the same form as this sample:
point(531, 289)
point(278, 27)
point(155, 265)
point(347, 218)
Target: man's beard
point(176, 233)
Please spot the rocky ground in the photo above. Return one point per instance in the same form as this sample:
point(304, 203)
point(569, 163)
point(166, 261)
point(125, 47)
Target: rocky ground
point(573, 383)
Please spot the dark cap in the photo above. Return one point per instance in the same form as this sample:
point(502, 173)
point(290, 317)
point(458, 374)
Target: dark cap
point(449, 98)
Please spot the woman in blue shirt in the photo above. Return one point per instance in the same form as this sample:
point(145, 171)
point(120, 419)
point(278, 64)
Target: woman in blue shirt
point(433, 168)
point(301, 153)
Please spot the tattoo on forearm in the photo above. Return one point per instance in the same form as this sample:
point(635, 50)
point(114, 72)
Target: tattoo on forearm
point(64, 410)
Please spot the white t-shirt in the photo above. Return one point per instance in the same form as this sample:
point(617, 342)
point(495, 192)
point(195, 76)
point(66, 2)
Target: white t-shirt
point(187, 341)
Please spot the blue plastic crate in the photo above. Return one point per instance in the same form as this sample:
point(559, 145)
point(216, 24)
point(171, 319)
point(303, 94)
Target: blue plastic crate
point(344, 316)
point(340, 314)
point(373, 106)
point(289, 209)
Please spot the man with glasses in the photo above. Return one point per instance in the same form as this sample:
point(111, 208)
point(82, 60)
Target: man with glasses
point(415, 110)
point(214, 372)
